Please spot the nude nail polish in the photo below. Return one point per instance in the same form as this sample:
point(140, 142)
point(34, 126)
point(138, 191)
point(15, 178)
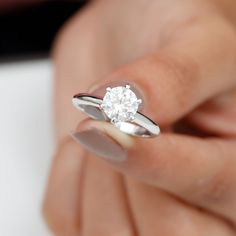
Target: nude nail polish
point(100, 144)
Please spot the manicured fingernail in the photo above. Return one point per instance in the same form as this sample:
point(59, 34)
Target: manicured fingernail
point(100, 144)
point(104, 141)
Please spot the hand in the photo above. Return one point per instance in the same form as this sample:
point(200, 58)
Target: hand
point(182, 58)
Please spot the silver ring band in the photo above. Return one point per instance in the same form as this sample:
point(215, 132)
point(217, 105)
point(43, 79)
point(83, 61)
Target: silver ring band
point(140, 125)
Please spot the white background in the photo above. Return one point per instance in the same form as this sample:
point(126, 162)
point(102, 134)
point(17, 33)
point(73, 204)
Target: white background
point(26, 145)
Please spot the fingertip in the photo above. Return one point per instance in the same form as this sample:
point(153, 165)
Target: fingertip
point(103, 139)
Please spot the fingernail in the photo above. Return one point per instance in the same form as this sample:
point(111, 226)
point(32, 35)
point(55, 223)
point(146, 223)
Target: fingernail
point(101, 144)
point(103, 139)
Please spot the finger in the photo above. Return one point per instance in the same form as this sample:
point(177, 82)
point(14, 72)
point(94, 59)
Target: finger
point(217, 116)
point(157, 213)
point(200, 171)
point(75, 56)
point(63, 196)
point(193, 65)
point(105, 210)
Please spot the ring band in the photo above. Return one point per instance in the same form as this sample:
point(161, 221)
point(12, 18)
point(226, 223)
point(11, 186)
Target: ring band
point(120, 107)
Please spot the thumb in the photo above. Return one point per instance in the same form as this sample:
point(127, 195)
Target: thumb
point(103, 139)
point(189, 167)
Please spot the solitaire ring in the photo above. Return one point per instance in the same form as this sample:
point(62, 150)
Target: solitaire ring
point(120, 106)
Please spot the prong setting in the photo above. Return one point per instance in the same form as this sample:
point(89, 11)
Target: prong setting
point(120, 104)
point(119, 107)
point(113, 120)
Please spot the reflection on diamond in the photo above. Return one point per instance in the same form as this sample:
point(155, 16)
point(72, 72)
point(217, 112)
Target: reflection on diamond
point(120, 104)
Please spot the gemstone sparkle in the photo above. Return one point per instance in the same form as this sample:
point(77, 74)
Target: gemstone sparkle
point(120, 104)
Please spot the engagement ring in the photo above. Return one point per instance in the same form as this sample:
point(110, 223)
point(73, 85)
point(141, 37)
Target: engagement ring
point(120, 106)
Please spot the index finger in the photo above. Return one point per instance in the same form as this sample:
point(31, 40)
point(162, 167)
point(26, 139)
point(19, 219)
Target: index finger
point(195, 64)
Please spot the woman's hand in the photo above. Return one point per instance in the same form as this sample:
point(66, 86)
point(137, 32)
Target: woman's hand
point(181, 55)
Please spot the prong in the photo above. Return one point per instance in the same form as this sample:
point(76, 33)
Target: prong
point(127, 86)
point(132, 118)
point(108, 89)
point(74, 101)
point(139, 101)
point(101, 106)
point(113, 120)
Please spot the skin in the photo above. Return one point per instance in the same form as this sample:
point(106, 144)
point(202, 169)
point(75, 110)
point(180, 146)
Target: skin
point(182, 56)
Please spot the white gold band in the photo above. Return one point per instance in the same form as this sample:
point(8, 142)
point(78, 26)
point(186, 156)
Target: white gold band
point(140, 125)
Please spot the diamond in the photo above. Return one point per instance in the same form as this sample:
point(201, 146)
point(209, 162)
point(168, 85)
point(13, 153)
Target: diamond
point(120, 104)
